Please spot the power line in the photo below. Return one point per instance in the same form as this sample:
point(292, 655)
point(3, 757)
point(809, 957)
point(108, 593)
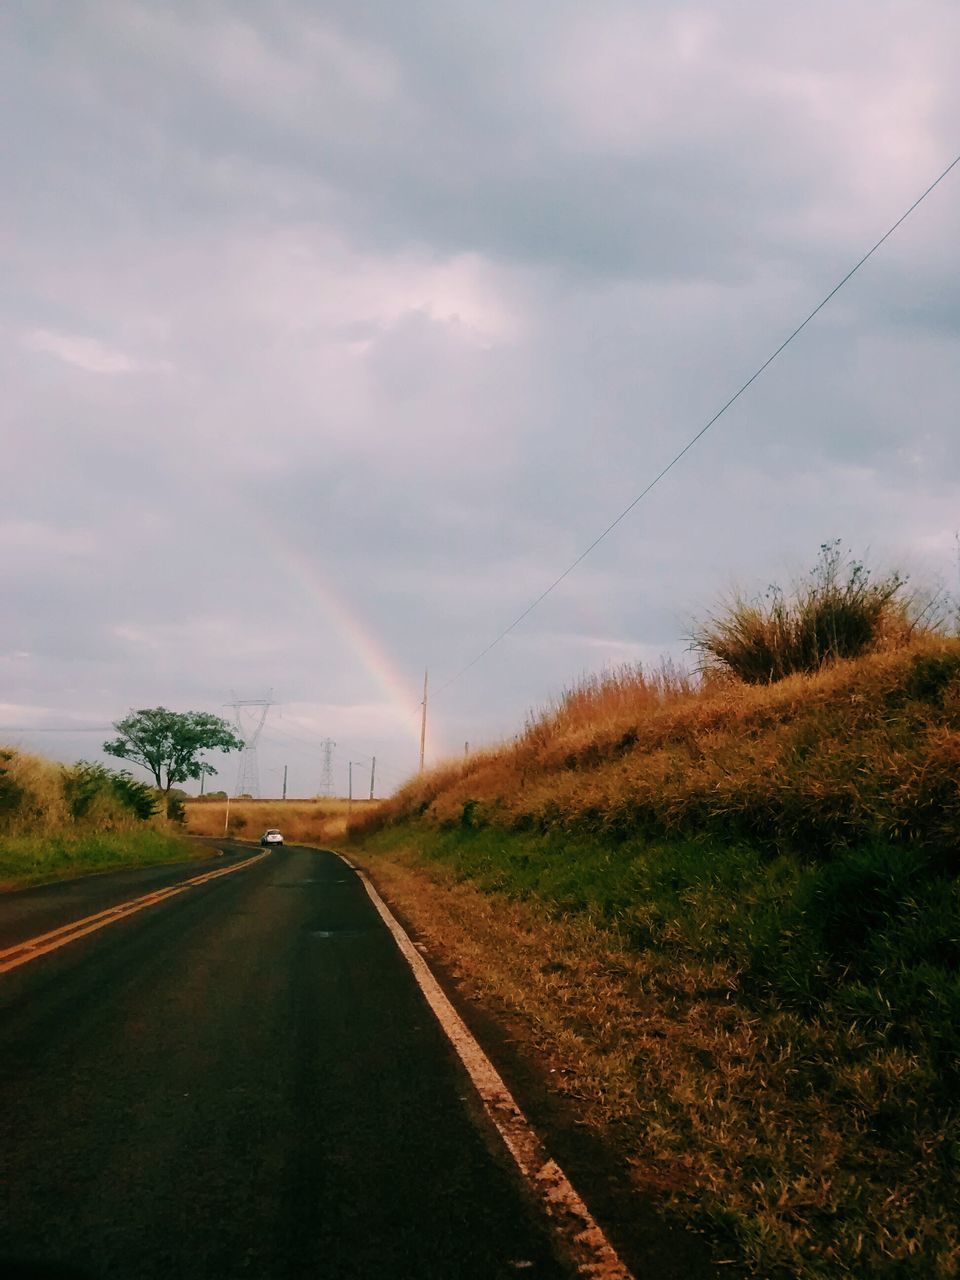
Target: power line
point(308, 745)
point(276, 735)
point(702, 432)
point(53, 728)
point(317, 748)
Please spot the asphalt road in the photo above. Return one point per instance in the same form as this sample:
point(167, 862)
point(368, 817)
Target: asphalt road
point(243, 1080)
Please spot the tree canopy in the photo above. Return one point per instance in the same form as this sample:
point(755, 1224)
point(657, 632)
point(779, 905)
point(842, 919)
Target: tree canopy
point(168, 743)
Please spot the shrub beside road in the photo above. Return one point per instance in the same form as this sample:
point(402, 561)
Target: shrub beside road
point(58, 821)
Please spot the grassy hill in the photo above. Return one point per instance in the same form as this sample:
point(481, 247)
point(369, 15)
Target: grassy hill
point(57, 821)
point(751, 891)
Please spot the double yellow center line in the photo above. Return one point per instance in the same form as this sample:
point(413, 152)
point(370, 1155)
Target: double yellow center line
point(32, 948)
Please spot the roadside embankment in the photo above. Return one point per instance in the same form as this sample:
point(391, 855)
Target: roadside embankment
point(727, 920)
point(58, 821)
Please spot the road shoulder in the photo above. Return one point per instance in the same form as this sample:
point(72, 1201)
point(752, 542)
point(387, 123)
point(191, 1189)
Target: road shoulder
point(466, 958)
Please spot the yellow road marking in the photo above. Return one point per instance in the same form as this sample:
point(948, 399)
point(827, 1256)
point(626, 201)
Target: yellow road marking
point(592, 1253)
point(32, 948)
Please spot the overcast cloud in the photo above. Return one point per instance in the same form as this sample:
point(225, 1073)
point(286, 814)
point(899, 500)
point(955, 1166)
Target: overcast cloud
point(331, 333)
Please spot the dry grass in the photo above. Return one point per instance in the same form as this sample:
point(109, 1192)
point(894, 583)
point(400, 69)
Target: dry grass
point(39, 796)
point(31, 792)
point(301, 821)
point(867, 748)
point(838, 611)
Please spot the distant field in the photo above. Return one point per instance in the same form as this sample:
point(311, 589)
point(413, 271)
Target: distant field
point(308, 821)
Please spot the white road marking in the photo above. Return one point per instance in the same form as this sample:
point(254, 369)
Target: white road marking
point(593, 1254)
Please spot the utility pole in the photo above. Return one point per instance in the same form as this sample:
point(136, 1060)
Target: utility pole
point(203, 778)
point(373, 773)
point(284, 782)
point(350, 765)
point(466, 748)
point(226, 816)
point(423, 722)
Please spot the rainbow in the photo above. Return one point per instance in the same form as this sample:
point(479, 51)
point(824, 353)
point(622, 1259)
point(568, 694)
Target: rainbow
point(374, 657)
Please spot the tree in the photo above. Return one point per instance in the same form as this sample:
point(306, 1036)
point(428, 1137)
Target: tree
point(169, 743)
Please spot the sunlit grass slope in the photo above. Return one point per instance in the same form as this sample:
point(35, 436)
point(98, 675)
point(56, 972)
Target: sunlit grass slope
point(58, 821)
point(864, 750)
point(774, 869)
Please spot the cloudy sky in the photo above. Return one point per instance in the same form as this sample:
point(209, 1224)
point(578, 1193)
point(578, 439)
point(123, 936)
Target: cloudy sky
point(330, 333)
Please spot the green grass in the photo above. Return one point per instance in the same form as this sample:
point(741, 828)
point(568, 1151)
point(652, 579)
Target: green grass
point(847, 972)
point(34, 859)
point(796, 931)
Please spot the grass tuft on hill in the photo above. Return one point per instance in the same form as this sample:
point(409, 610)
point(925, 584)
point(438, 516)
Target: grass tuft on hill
point(839, 610)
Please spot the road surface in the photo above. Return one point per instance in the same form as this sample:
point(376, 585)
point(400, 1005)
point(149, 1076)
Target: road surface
point(243, 1080)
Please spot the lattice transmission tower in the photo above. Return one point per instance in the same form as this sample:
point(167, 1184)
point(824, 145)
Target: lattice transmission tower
point(250, 715)
point(326, 778)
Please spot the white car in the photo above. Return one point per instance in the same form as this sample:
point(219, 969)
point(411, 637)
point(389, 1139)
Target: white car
point(271, 837)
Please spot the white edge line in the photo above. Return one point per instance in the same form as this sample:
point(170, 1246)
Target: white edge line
point(593, 1254)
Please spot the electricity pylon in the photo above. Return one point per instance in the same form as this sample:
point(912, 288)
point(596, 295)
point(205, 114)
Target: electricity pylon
point(251, 714)
point(326, 778)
